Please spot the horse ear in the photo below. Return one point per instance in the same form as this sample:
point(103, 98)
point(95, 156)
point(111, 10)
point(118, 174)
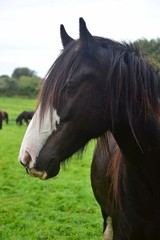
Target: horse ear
point(86, 39)
point(66, 39)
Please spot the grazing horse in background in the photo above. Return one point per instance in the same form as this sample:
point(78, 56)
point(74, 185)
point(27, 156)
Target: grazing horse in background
point(99, 88)
point(1, 120)
point(26, 116)
point(3, 116)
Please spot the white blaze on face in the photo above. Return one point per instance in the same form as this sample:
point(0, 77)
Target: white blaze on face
point(36, 135)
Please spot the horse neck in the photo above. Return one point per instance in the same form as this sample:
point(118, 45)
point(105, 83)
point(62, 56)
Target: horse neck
point(141, 150)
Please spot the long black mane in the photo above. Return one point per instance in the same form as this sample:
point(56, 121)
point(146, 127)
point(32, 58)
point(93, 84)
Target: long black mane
point(130, 79)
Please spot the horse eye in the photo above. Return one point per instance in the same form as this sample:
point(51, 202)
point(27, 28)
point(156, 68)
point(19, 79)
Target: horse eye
point(70, 85)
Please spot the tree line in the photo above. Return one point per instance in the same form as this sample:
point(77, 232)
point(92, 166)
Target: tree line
point(150, 50)
point(25, 82)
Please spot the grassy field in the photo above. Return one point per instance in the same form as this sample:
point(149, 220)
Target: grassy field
point(62, 208)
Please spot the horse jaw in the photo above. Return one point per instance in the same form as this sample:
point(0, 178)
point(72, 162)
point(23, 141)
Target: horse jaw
point(34, 139)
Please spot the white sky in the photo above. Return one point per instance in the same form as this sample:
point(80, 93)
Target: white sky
point(29, 29)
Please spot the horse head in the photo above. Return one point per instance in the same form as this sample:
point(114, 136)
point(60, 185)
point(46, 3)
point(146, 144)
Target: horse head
point(71, 106)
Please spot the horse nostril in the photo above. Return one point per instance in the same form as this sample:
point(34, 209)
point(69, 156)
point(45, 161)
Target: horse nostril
point(25, 165)
point(26, 160)
point(22, 163)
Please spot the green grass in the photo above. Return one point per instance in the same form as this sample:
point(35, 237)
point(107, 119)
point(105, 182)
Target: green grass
point(62, 208)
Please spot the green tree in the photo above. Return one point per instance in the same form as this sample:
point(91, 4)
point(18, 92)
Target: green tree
point(8, 86)
point(150, 49)
point(4, 79)
point(28, 86)
point(19, 72)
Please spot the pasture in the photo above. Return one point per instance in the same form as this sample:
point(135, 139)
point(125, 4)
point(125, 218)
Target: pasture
point(62, 208)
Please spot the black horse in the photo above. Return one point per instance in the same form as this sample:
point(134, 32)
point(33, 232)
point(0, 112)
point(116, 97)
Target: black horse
point(95, 88)
point(24, 116)
point(3, 117)
point(1, 120)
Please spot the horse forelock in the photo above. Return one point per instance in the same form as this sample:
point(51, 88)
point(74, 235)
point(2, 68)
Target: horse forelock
point(58, 75)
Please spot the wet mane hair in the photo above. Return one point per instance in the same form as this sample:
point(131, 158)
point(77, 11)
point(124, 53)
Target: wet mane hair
point(116, 162)
point(58, 76)
point(128, 74)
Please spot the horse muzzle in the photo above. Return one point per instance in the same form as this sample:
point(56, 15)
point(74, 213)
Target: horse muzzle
point(34, 173)
point(31, 170)
point(34, 170)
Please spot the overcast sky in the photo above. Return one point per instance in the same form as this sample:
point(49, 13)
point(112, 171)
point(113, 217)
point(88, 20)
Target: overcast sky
point(29, 29)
